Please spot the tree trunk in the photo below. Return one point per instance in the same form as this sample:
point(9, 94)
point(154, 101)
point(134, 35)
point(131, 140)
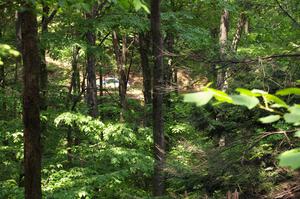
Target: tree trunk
point(44, 72)
point(31, 102)
point(90, 69)
point(238, 32)
point(247, 26)
point(46, 19)
point(101, 80)
point(18, 44)
point(2, 89)
point(175, 79)
point(75, 82)
point(121, 61)
point(146, 69)
point(222, 72)
point(170, 40)
point(158, 91)
point(224, 28)
point(144, 44)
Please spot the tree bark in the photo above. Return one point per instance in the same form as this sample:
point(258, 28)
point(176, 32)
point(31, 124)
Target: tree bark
point(170, 40)
point(101, 80)
point(75, 82)
point(144, 45)
point(90, 69)
point(238, 32)
point(121, 62)
point(18, 44)
point(46, 19)
point(44, 71)
point(224, 28)
point(158, 92)
point(31, 102)
point(2, 88)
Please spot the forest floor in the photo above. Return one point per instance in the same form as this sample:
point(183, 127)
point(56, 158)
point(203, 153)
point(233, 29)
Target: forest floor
point(60, 71)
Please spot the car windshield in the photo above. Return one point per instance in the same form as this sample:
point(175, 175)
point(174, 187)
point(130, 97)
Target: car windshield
point(112, 81)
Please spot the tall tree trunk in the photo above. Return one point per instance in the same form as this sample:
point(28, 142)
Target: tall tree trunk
point(31, 102)
point(90, 69)
point(44, 71)
point(170, 40)
point(75, 82)
point(2, 88)
point(224, 28)
point(101, 80)
point(247, 26)
point(158, 91)
point(238, 32)
point(18, 44)
point(144, 45)
point(175, 79)
point(46, 19)
point(121, 62)
point(222, 72)
point(2, 84)
point(146, 69)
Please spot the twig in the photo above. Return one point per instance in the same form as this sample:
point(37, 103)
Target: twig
point(288, 14)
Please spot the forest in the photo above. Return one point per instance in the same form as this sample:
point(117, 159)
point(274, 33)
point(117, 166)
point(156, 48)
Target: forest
point(145, 99)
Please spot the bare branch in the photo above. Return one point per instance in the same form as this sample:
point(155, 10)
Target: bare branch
point(288, 14)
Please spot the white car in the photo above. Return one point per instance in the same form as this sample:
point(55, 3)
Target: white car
point(110, 82)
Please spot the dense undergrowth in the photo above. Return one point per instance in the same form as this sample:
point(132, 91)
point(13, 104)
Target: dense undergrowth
point(103, 158)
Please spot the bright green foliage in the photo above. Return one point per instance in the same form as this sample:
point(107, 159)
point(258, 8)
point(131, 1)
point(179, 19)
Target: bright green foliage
point(290, 158)
point(289, 91)
point(294, 115)
point(200, 98)
point(103, 158)
point(249, 101)
point(270, 119)
point(269, 103)
point(6, 50)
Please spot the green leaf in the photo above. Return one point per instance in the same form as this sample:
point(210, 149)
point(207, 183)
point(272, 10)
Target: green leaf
point(292, 118)
point(290, 159)
point(288, 91)
point(247, 92)
point(294, 115)
point(276, 100)
point(200, 98)
point(269, 119)
point(220, 95)
point(257, 91)
point(248, 101)
point(139, 4)
point(297, 134)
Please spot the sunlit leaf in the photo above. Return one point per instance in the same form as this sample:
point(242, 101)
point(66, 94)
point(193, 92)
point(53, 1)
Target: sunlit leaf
point(288, 91)
point(200, 98)
point(270, 119)
point(248, 101)
point(257, 91)
point(220, 95)
point(276, 100)
point(297, 134)
point(290, 159)
point(247, 92)
point(294, 115)
point(292, 118)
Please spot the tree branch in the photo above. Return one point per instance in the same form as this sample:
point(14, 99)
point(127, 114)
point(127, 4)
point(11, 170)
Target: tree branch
point(51, 16)
point(288, 14)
